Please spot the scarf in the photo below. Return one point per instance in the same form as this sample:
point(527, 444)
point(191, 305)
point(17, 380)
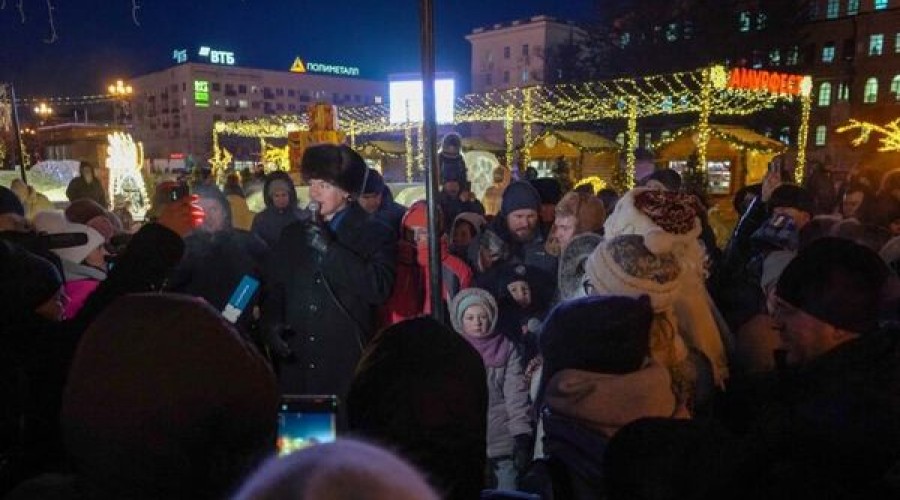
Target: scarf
point(494, 349)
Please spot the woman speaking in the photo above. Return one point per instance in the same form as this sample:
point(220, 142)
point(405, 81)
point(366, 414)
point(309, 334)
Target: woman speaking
point(325, 277)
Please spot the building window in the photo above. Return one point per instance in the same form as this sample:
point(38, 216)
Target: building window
point(833, 9)
point(506, 52)
point(291, 93)
point(895, 87)
point(506, 77)
point(852, 7)
point(488, 79)
point(489, 56)
point(870, 93)
point(525, 50)
point(876, 44)
point(821, 134)
point(828, 52)
point(216, 87)
point(897, 43)
point(525, 76)
point(279, 91)
point(825, 94)
point(775, 57)
point(843, 92)
point(624, 40)
point(744, 21)
point(849, 51)
point(793, 56)
point(672, 32)
point(761, 20)
point(881, 4)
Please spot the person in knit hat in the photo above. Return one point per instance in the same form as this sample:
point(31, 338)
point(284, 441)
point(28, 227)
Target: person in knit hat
point(12, 213)
point(466, 227)
point(378, 200)
point(211, 418)
point(419, 389)
point(523, 302)
point(344, 470)
point(517, 225)
point(576, 213)
point(91, 214)
point(84, 266)
point(474, 315)
point(598, 375)
point(550, 192)
point(573, 281)
point(29, 283)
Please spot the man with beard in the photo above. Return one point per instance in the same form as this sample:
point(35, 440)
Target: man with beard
point(517, 226)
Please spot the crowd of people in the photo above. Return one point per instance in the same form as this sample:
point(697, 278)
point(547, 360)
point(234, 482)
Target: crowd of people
point(595, 345)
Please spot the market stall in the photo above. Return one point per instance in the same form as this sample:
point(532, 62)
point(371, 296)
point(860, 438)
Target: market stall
point(582, 154)
point(735, 156)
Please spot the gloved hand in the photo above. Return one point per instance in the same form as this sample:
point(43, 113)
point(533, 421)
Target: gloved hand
point(523, 452)
point(274, 339)
point(317, 237)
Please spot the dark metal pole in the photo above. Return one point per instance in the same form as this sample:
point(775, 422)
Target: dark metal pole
point(15, 119)
point(432, 179)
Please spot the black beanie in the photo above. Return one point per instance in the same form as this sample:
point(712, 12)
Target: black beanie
point(10, 203)
point(374, 183)
point(791, 196)
point(335, 164)
point(837, 281)
point(549, 190)
point(519, 195)
point(26, 280)
point(603, 334)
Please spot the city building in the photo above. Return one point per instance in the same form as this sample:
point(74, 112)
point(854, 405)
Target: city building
point(518, 54)
point(853, 53)
point(172, 111)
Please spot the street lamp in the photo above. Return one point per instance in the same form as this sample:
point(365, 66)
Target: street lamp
point(43, 111)
point(120, 92)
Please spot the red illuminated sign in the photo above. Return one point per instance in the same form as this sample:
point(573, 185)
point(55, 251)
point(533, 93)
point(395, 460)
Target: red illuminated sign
point(767, 81)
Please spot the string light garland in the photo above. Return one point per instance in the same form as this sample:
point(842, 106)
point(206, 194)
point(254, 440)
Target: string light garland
point(890, 132)
point(803, 130)
point(410, 160)
point(526, 128)
point(735, 142)
point(595, 182)
point(631, 140)
point(508, 127)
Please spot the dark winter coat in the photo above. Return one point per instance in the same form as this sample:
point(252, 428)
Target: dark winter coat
point(533, 254)
point(391, 212)
point(269, 223)
point(329, 331)
point(79, 189)
point(214, 264)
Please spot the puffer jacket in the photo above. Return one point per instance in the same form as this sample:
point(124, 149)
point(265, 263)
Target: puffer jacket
point(508, 406)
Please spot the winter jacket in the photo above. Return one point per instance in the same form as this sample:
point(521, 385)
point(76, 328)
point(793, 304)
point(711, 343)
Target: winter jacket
point(508, 406)
point(411, 296)
point(269, 223)
point(391, 212)
point(78, 189)
point(532, 254)
point(328, 302)
point(81, 281)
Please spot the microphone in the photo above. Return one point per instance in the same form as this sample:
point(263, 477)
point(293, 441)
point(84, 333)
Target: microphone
point(314, 207)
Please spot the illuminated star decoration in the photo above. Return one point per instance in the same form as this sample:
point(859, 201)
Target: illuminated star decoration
point(890, 132)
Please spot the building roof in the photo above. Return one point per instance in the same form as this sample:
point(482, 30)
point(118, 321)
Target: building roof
point(479, 144)
point(586, 141)
point(387, 148)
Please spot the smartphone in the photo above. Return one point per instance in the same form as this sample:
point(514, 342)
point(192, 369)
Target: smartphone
point(305, 420)
point(240, 297)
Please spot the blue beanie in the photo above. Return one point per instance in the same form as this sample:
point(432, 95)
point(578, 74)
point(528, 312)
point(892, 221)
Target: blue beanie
point(10, 203)
point(519, 195)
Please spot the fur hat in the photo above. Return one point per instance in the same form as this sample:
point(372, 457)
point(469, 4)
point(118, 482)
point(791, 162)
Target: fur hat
point(663, 218)
point(588, 211)
point(519, 195)
point(837, 281)
point(624, 266)
point(791, 196)
point(470, 297)
point(336, 164)
point(26, 281)
point(10, 203)
point(54, 222)
point(572, 264)
point(599, 334)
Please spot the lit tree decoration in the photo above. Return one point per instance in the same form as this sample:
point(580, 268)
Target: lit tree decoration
point(220, 159)
point(124, 160)
point(890, 131)
point(273, 155)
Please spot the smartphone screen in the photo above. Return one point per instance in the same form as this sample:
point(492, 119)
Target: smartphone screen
point(305, 421)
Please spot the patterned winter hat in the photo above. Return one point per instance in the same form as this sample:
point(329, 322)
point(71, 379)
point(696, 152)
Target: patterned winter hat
point(624, 266)
point(663, 218)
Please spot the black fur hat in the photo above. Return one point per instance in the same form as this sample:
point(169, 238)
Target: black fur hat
point(336, 164)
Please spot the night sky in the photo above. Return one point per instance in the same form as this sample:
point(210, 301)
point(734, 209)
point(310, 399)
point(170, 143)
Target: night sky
point(97, 40)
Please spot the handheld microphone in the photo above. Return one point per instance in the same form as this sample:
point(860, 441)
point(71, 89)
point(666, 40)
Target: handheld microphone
point(314, 208)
